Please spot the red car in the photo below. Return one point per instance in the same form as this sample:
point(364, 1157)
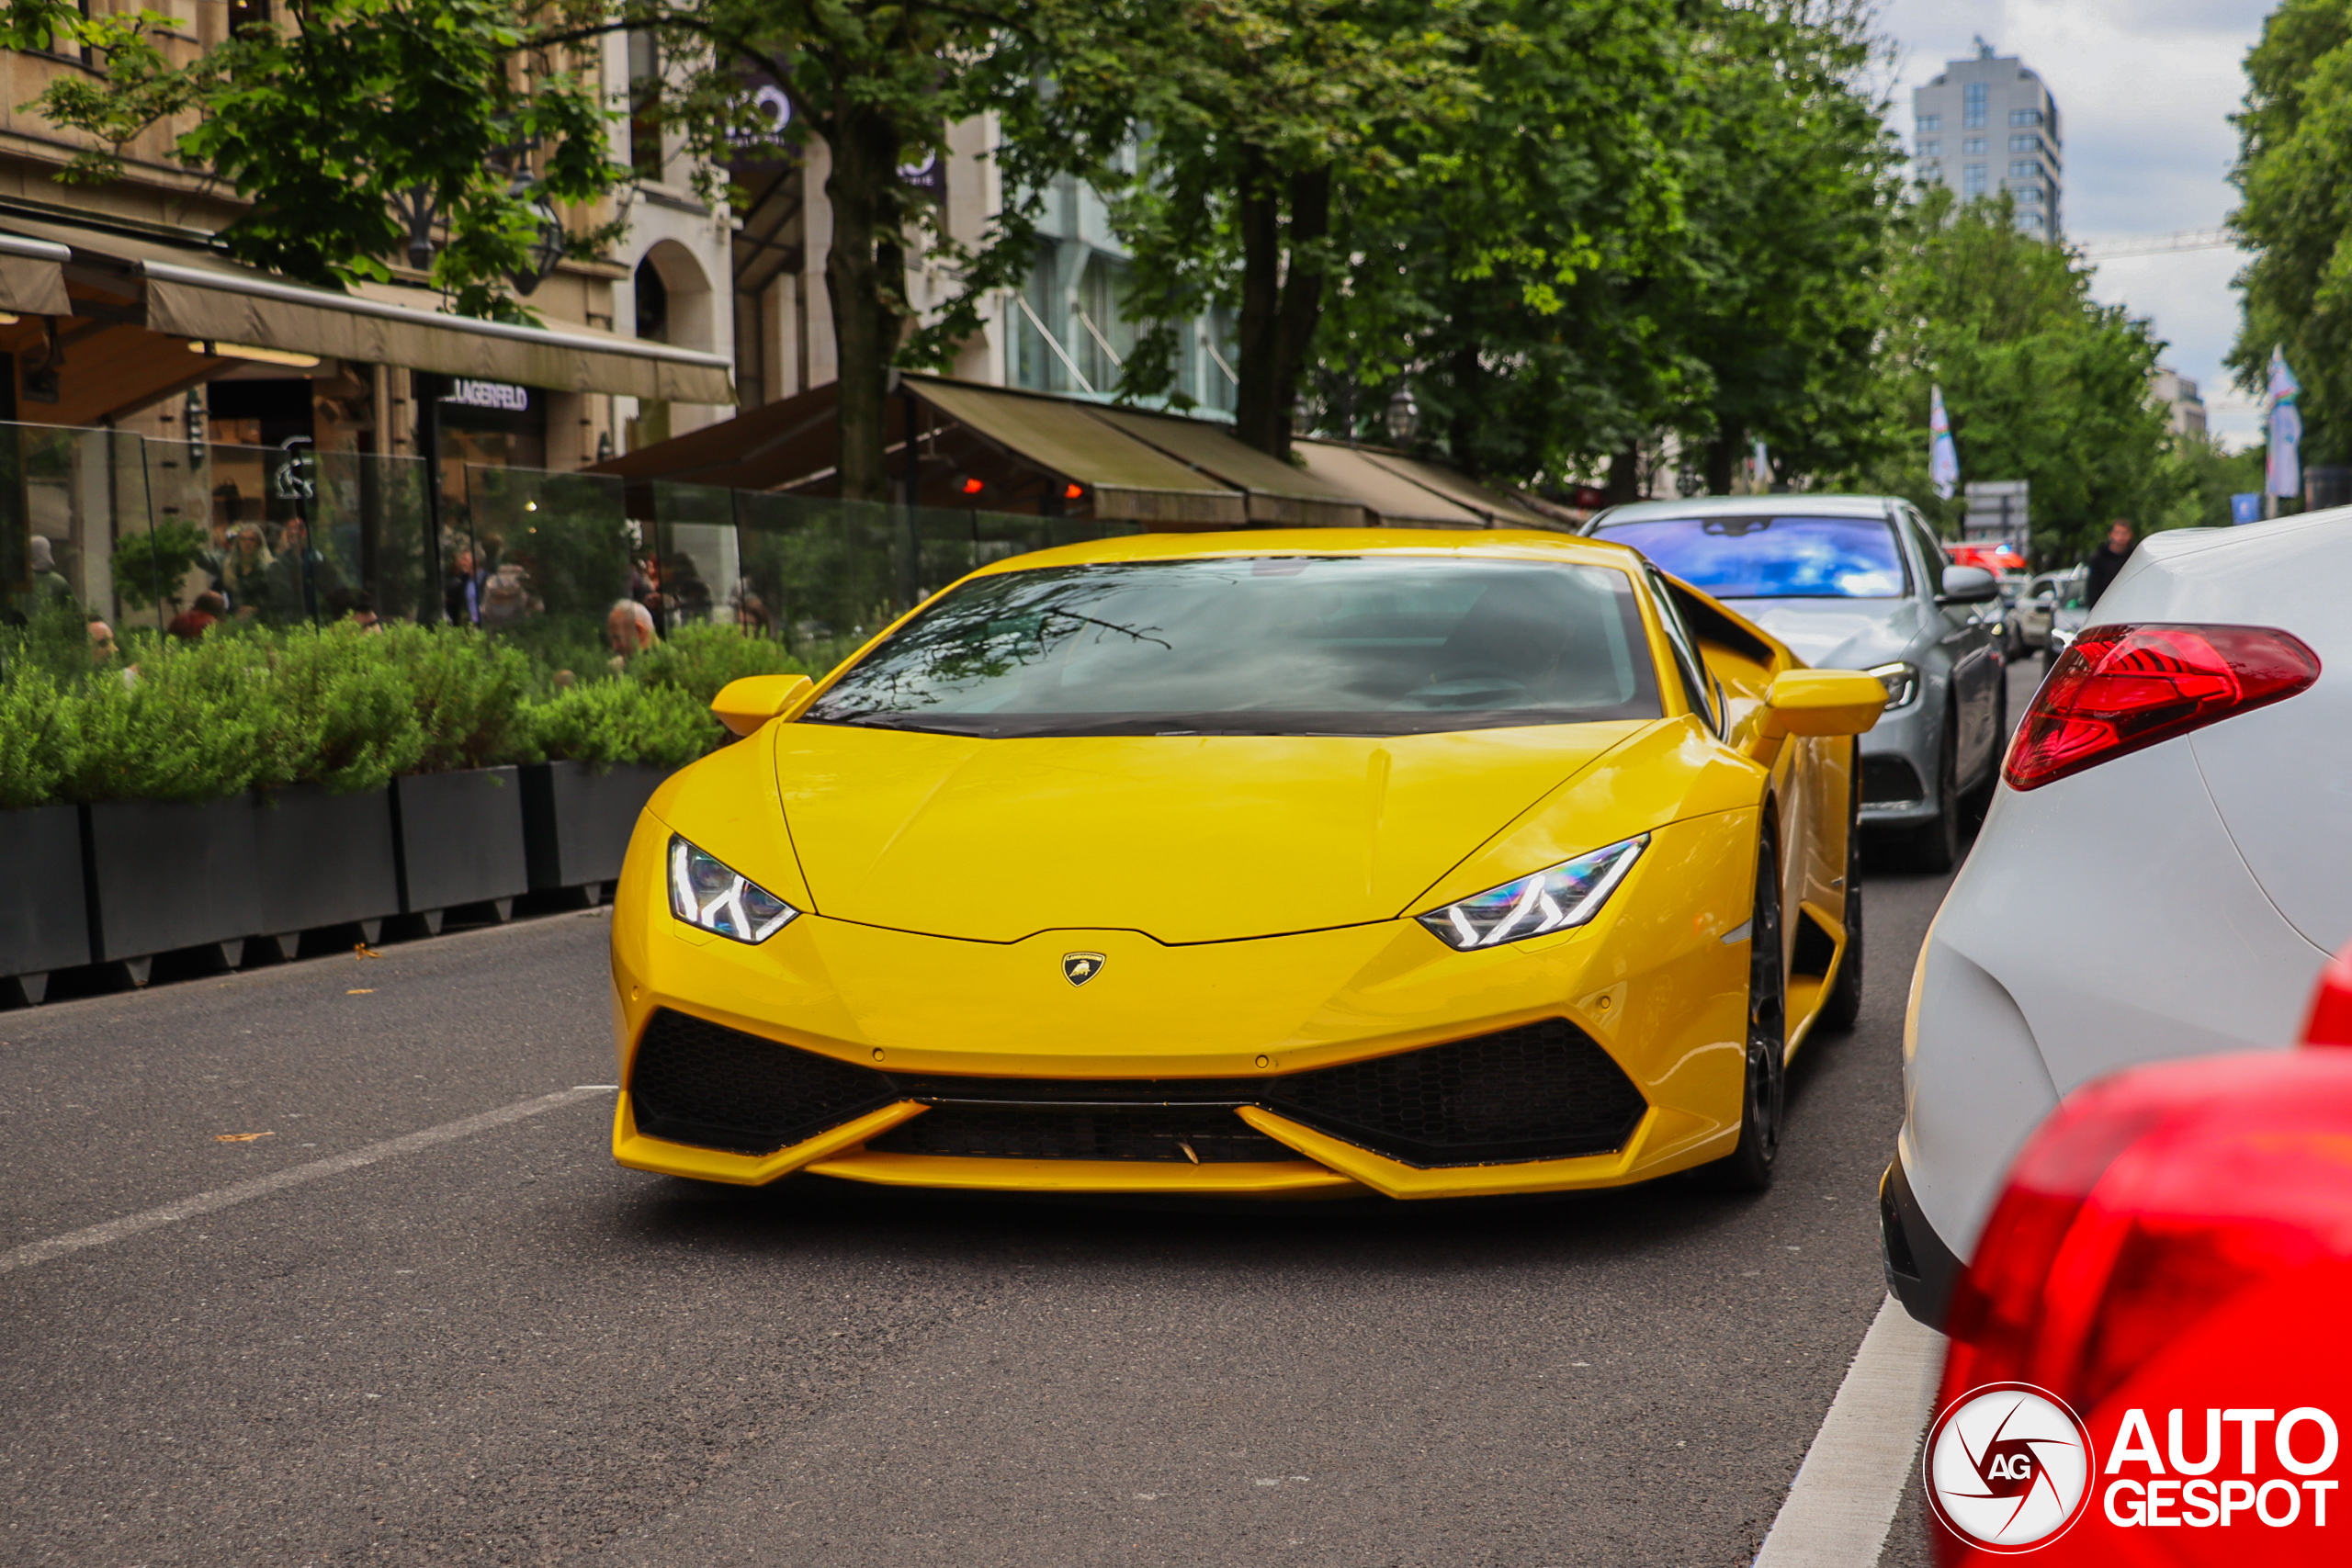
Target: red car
point(2152, 1351)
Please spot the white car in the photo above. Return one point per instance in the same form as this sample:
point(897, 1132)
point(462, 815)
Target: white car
point(2166, 866)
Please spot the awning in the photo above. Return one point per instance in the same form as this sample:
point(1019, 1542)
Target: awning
point(180, 291)
point(1129, 480)
point(1395, 500)
point(1499, 509)
point(1278, 493)
point(32, 277)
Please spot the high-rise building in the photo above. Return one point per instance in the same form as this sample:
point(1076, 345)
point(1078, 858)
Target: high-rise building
point(1988, 124)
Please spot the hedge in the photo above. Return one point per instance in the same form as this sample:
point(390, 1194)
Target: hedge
point(343, 707)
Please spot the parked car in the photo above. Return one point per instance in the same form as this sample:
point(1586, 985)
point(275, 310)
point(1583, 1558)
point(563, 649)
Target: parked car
point(1858, 582)
point(2167, 1257)
point(2166, 866)
point(2043, 597)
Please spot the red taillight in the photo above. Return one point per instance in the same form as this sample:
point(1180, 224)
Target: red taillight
point(2330, 1023)
point(2119, 688)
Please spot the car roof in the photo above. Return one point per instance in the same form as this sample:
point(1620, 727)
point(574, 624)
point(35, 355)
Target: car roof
point(1498, 543)
point(1787, 504)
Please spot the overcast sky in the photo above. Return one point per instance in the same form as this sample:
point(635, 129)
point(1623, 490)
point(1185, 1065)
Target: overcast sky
point(2144, 89)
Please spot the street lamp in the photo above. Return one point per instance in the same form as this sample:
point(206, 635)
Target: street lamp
point(1402, 417)
point(547, 249)
point(419, 207)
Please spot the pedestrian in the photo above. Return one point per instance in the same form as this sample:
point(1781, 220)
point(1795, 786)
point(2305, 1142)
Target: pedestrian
point(302, 576)
point(2108, 560)
point(245, 574)
point(629, 630)
point(192, 623)
point(462, 592)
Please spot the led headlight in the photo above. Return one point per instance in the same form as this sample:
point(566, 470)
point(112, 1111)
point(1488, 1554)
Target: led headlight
point(1901, 681)
point(705, 894)
point(1568, 895)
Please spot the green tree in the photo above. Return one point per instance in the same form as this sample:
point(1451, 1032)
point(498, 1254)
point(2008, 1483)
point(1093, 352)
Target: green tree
point(1264, 117)
point(2041, 382)
point(326, 125)
point(2294, 169)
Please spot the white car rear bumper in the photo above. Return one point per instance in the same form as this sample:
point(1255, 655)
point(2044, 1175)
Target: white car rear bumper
point(2102, 921)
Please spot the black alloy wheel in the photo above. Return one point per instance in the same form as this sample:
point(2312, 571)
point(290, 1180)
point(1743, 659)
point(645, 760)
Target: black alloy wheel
point(1843, 1007)
point(1936, 846)
point(1764, 1093)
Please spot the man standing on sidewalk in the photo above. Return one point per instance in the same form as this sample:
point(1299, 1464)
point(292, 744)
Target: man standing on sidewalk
point(2108, 558)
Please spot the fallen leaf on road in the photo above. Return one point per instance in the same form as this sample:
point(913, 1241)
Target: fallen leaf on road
point(362, 950)
point(363, 991)
point(240, 1137)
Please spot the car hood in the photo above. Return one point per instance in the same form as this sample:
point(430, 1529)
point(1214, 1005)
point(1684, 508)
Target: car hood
point(1187, 839)
point(1837, 634)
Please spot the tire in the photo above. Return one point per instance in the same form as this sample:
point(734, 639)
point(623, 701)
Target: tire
point(1936, 847)
point(1842, 1008)
point(1763, 1102)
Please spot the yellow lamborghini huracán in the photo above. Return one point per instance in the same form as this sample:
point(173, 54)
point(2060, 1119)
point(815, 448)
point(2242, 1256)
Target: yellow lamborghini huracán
point(1269, 864)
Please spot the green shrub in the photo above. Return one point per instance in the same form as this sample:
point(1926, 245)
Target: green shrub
point(623, 721)
point(337, 712)
point(699, 659)
point(149, 567)
point(36, 738)
point(468, 692)
point(190, 725)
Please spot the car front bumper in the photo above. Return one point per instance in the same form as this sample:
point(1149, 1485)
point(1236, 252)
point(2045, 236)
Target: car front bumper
point(1899, 765)
point(1238, 1041)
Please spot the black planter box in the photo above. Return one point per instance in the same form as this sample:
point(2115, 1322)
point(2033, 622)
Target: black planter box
point(460, 838)
point(164, 875)
point(324, 860)
point(44, 919)
point(577, 820)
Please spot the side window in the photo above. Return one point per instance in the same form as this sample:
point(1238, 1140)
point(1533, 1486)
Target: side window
point(1696, 687)
point(1931, 554)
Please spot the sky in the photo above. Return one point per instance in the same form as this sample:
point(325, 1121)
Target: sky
point(2145, 91)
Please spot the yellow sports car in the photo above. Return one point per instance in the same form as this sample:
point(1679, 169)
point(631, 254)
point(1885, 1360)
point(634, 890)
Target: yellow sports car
point(1270, 864)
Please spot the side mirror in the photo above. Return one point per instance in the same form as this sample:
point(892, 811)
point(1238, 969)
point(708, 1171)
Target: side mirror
point(1967, 585)
point(743, 706)
point(1816, 701)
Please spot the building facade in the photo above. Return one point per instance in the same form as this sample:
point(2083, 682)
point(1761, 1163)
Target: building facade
point(1988, 124)
point(2177, 395)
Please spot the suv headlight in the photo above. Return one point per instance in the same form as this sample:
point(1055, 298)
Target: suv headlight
point(1568, 895)
point(1901, 681)
point(709, 896)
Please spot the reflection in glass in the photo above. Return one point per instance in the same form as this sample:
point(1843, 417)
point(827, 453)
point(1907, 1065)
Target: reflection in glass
point(1771, 557)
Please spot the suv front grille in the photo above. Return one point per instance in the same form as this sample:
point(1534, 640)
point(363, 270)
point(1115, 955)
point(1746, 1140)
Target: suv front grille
point(1541, 1092)
point(1890, 781)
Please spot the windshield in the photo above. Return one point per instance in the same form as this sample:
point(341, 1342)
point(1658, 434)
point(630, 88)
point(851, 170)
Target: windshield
point(1771, 557)
point(1318, 645)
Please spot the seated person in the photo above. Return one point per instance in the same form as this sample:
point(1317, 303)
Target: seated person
point(193, 622)
point(628, 629)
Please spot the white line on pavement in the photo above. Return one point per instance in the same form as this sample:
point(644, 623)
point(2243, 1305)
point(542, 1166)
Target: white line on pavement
point(1846, 1492)
point(293, 1176)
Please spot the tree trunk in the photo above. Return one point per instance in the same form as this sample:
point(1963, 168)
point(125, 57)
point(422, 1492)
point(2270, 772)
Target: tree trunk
point(1463, 428)
point(1259, 416)
point(1722, 460)
point(1626, 475)
point(1302, 306)
point(866, 275)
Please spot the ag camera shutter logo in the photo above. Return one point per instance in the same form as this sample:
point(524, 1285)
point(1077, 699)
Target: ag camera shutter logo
point(2008, 1467)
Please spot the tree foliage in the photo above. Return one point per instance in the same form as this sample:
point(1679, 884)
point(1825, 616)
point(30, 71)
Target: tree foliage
point(324, 125)
point(2294, 169)
point(2041, 382)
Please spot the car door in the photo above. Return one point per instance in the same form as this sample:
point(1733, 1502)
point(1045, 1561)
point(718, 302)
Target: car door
point(1975, 673)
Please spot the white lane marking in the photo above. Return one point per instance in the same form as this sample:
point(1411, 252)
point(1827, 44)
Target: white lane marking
point(293, 1176)
point(1844, 1498)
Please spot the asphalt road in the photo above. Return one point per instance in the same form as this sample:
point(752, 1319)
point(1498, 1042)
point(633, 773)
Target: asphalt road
point(501, 1348)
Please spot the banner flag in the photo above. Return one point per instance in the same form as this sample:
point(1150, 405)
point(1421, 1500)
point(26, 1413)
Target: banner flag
point(1943, 457)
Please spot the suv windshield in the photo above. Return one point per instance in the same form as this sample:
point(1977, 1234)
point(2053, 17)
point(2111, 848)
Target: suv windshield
point(1771, 557)
point(1269, 645)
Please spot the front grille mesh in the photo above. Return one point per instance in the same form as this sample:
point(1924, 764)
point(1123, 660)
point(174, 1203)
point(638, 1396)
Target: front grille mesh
point(996, 1132)
point(1541, 1091)
point(1890, 781)
point(695, 1082)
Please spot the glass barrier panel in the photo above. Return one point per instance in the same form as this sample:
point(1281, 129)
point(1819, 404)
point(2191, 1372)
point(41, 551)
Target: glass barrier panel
point(550, 557)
